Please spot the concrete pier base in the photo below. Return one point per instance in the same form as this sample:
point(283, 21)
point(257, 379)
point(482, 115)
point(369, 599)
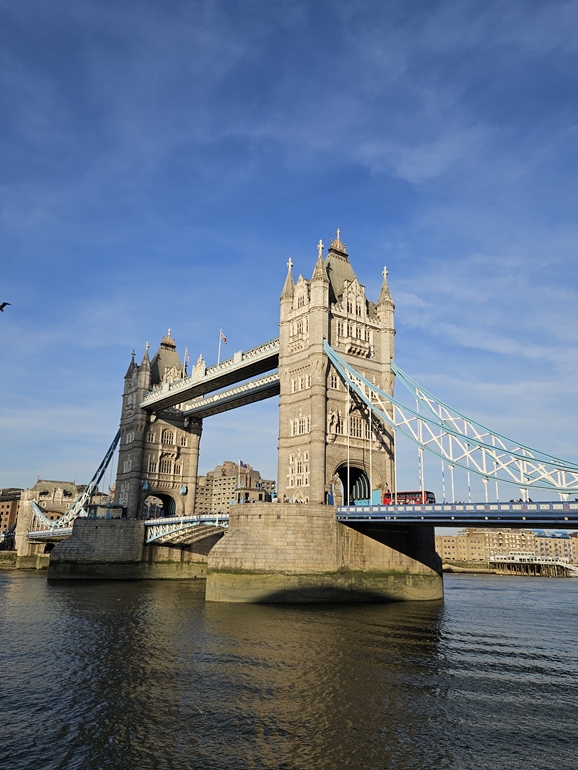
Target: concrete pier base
point(291, 553)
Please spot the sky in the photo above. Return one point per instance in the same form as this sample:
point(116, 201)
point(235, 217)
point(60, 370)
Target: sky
point(161, 160)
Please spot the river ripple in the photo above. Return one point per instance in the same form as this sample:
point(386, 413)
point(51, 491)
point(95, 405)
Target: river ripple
point(147, 675)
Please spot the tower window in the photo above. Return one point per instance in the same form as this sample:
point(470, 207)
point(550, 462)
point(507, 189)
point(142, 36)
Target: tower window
point(168, 437)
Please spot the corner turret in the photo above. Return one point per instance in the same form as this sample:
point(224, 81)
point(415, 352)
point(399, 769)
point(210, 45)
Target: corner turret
point(385, 315)
point(144, 370)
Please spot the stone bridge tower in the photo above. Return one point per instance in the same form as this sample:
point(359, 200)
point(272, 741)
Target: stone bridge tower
point(159, 452)
point(327, 450)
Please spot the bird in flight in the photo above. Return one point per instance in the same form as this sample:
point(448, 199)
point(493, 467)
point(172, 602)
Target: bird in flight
point(3, 305)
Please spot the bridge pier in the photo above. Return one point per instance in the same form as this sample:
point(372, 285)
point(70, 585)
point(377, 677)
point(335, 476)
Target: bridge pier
point(299, 553)
point(114, 549)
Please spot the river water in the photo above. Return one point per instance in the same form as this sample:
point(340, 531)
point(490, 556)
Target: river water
point(147, 675)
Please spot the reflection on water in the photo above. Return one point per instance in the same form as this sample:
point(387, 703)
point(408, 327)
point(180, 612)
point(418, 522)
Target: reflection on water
point(146, 675)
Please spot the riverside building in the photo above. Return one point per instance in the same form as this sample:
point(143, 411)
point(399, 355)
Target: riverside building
point(479, 544)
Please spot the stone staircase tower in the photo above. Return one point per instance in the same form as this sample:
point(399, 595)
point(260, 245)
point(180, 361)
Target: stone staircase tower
point(327, 450)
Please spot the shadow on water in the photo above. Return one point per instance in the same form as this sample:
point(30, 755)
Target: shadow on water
point(147, 675)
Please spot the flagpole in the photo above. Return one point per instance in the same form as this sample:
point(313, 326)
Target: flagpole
point(219, 354)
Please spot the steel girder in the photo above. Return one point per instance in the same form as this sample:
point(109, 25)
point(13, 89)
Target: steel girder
point(456, 439)
point(77, 507)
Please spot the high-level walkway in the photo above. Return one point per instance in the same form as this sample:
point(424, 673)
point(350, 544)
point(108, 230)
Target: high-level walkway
point(242, 366)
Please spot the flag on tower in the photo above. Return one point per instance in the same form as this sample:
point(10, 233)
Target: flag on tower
point(223, 337)
point(187, 359)
point(242, 464)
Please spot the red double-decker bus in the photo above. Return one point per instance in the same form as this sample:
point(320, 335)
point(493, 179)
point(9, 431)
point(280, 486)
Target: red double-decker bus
point(409, 498)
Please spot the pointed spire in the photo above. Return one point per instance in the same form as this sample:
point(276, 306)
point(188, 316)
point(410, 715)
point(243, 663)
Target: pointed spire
point(131, 366)
point(289, 285)
point(145, 359)
point(385, 294)
point(320, 273)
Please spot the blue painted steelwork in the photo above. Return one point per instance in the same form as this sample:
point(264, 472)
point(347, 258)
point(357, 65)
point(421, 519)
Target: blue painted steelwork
point(77, 508)
point(556, 515)
point(55, 533)
point(242, 366)
point(456, 439)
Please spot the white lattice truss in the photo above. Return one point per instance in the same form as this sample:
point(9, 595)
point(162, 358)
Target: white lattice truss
point(461, 442)
point(187, 529)
point(78, 506)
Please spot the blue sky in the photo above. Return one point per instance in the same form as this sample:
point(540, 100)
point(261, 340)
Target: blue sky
point(161, 161)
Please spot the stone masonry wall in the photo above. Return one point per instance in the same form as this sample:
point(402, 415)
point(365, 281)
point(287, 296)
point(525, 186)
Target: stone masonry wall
point(291, 552)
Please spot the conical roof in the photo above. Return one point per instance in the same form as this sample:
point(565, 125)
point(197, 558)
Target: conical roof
point(289, 285)
point(131, 366)
point(319, 273)
point(385, 294)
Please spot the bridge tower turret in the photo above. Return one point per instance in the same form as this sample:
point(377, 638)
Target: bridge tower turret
point(159, 452)
point(327, 450)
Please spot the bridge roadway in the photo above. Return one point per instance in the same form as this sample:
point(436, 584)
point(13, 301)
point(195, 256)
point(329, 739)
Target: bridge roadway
point(242, 366)
point(556, 515)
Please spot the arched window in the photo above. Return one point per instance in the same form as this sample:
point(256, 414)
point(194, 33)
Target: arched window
point(166, 465)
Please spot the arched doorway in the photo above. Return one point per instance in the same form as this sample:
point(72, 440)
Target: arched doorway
point(359, 487)
point(157, 505)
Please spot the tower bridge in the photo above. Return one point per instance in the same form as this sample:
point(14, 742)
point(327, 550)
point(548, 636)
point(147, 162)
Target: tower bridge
point(333, 368)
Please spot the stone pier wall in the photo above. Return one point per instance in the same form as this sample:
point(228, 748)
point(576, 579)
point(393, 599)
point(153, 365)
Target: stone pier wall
point(99, 549)
point(275, 552)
